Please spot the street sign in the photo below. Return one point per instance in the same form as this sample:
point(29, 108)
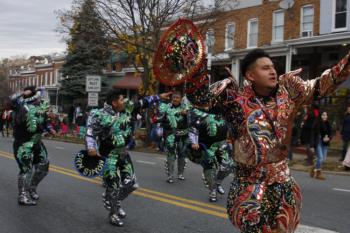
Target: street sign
point(93, 83)
point(93, 99)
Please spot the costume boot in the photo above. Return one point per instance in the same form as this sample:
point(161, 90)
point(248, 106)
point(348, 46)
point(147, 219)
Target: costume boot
point(23, 195)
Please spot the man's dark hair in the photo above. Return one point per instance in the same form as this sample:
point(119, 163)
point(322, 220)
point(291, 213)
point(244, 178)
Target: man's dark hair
point(250, 59)
point(30, 88)
point(113, 94)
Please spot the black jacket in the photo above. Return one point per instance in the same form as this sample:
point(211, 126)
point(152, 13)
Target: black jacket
point(345, 132)
point(321, 129)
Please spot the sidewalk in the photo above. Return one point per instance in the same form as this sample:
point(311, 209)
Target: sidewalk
point(331, 166)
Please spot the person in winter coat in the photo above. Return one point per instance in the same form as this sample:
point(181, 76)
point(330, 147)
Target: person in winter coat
point(321, 138)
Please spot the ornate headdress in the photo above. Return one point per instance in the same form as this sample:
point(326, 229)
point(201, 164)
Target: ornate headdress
point(180, 60)
point(180, 53)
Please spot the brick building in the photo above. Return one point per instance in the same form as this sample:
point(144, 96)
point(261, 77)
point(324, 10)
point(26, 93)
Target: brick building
point(45, 76)
point(312, 34)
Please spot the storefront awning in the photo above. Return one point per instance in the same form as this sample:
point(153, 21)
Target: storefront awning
point(129, 81)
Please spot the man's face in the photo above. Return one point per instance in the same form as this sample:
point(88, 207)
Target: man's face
point(263, 73)
point(176, 99)
point(118, 104)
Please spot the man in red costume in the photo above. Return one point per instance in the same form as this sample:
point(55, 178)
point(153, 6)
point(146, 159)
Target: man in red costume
point(263, 196)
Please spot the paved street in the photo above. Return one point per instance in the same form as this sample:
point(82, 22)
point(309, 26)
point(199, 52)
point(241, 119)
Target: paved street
point(71, 203)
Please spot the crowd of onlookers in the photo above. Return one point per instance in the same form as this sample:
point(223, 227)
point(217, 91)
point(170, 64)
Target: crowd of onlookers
point(312, 130)
point(57, 121)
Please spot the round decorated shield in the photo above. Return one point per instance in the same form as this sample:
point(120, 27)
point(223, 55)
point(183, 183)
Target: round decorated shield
point(88, 166)
point(180, 53)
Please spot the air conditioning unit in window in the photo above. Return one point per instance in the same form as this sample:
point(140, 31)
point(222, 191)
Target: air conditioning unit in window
point(306, 34)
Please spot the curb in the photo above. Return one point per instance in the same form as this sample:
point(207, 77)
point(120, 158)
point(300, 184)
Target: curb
point(325, 172)
point(137, 149)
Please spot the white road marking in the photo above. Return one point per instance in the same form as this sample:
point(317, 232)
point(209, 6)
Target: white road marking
point(342, 190)
point(59, 147)
point(145, 162)
point(308, 229)
point(161, 158)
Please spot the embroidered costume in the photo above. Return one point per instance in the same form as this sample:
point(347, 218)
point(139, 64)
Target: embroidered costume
point(30, 121)
point(263, 196)
point(109, 132)
point(209, 132)
point(174, 122)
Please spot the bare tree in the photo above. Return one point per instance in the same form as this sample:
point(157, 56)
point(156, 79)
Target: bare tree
point(135, 26)
point(4, 82)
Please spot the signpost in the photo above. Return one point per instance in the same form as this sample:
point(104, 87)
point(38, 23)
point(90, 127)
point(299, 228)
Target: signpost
point(93, 99)
point(93, 83)
point(93, 87)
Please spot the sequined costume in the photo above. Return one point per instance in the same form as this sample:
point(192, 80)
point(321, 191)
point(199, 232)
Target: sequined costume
point(30, 121)
point(109, 132)
point(174, 122)
point(263, 196)
point(209, 131)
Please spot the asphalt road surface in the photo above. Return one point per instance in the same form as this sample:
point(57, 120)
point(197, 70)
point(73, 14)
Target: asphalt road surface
point(71, 203)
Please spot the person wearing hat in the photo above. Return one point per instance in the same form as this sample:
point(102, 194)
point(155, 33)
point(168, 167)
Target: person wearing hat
point(30, 121)
point(173, 118)
point(109, 131)
point(208, 147)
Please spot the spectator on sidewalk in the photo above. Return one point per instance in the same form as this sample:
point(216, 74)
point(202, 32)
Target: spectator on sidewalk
point(345, 133)
point(64, 126)
point(80, 123)
point(296, 133)
point(346, 161)
point(2, 124)
point(306, 134)
point(322, 132)
point(7, 120)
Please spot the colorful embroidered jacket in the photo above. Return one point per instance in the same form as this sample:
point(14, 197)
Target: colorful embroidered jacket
point(108, 129)
point(206, 128)
point(173, 118)
point(262, 134)
point(30, 118)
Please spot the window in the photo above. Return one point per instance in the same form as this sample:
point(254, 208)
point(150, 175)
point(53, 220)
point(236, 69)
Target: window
point(252, 33)
point(307, 21)
point(278, 26)
point(210, 41)
point(52, 79)
point(46, 79)
point(340, 14)
point(230, 36)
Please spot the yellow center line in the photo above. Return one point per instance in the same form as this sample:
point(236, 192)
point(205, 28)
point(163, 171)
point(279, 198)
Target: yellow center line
point(183, 199)
point(215, 207)
point(147, 193)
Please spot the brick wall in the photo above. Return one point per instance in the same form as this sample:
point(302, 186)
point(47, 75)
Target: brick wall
point(264, 14)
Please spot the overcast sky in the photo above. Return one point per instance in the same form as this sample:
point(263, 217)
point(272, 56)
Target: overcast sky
point(27, 27)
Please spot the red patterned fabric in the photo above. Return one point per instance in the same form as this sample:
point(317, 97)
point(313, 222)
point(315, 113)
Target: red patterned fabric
point(180, 53)
point(264, 197)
